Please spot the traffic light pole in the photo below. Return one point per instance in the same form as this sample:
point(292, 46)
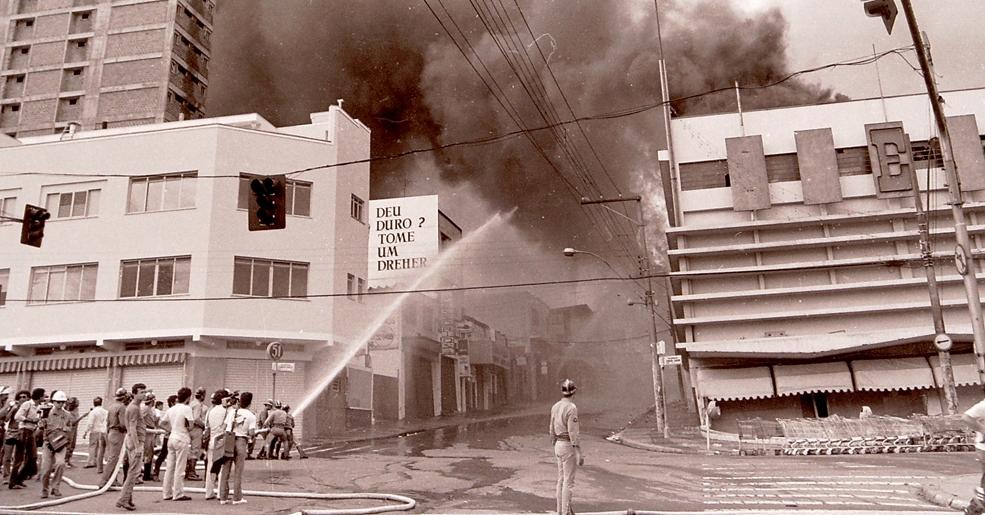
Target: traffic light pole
point(962, 253)
point(659, 402)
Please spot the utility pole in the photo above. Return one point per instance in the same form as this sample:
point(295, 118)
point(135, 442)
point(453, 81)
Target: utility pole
point(962, 252)
point(659, 402)
point(947, 371)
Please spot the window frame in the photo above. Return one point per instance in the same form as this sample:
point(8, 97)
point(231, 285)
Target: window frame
point(156, 279)
point(86, 271)
point(357, 208)
point(186, 200)
point(4, 285)
point(293, 267)
point(90, 209)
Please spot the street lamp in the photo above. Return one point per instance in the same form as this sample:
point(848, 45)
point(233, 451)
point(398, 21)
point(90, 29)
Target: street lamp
point(659, 406)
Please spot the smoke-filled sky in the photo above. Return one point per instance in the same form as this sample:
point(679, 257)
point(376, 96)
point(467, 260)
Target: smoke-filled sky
point(401, 73)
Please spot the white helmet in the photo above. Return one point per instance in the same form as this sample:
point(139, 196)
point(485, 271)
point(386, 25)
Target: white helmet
point(568, 387)
point(59, 396)
point(6, 390)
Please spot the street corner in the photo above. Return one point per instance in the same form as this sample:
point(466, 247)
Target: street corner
point(950, 492)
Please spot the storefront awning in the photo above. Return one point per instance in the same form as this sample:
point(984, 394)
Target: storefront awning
point(892, 374)
point(726, 384)
point(965, 369)
point(814, 377)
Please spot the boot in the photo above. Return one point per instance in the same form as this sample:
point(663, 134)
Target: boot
point(190, 474)
point(148, 475)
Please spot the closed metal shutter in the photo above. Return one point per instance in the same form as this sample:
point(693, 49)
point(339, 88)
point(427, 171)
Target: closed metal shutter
point(9, 380)
point(165, 380)
point(85, 384)
point(254, 375)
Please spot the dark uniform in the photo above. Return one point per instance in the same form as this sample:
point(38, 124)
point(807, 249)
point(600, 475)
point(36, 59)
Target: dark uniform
point(116, 430)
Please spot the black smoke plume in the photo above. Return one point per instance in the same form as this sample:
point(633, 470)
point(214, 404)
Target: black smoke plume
point(399, 73)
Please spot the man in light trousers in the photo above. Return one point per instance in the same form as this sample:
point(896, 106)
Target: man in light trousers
point(96, 433)
point(567, 448)
point(215, 420)
point(180, 420)
point(133, 445)
point(243, 423)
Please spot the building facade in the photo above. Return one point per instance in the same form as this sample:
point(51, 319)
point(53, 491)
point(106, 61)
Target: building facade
point(147, 271)
point(796, 256)
point(102, 63)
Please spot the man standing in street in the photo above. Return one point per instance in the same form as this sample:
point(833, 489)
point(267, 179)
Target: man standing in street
point(133, 444)
point(13, 448)
point(179, 420)
point(199, 408)
point(116, 430)
point(215, 420)
point(974, 418)
point(27, 417)
point(57, 428)
point(567, 448)
point(72, 408)
point(6, 407)
point(277, 423)
point(96, 433)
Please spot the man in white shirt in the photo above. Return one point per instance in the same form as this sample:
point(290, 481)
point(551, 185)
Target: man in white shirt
point(567, 445)
point(215, 420)
point(974, 418)
point(179, 420)
point(96, 433)
point(243, 423)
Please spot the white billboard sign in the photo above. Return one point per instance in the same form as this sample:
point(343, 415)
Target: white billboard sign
point(403, 238)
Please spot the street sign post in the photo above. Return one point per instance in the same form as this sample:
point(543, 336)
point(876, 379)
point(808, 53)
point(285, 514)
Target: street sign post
point(282, 367)
point(276, 351)
point(672, 360)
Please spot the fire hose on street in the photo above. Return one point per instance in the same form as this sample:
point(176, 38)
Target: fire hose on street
point(404, 503)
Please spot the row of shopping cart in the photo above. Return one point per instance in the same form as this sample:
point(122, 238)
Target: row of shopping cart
point(837, 435)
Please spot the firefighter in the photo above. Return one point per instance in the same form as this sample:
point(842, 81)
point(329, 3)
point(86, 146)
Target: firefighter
point(567, 446)
point(57, 427)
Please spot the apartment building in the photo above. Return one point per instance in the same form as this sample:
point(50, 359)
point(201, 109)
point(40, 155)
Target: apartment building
point(102, 63)
point(147, 271)
point(796, 255)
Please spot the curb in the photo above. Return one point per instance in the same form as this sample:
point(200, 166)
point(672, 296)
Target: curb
point(939, 498)
point(661, 449)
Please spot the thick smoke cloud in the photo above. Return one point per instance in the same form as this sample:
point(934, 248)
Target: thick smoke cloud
point(400, 74)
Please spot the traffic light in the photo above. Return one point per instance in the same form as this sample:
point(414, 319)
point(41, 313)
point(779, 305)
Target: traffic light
point(32, 227)
point(885, 9)
point(268, 206)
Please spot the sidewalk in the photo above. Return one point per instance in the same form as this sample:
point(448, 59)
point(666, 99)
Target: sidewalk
point(952, 492)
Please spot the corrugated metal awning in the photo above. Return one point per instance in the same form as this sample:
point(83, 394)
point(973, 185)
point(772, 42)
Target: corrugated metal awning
point(892, 374)
point(813, 377)
point(726, 384)
point(154, 358)
point(964, 366)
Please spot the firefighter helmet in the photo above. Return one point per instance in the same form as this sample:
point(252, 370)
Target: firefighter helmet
point(568, 387)
point(59, 396)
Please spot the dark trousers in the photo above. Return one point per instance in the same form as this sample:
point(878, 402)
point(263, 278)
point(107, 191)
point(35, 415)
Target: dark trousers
point(26, 462)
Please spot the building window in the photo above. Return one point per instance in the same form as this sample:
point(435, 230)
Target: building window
point(7, 207)
point(267, 278)
point(155, 276)
point(19, 79)
point(162, 192)
point(80, 43)
point(357, 209)
point(351, 289)
point(4, 281)
point(361, 288)
point(25, 49)
point(62, 283)
point(77, 72)
point(297, 196)
point(29, 23)
point(76, 204)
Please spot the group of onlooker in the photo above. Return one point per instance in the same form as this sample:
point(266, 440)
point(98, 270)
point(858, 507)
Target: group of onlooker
point(222, 432)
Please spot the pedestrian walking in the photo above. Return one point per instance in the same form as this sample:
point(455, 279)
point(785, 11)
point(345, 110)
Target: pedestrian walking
point(974, 418)
point(179, 420)
point(198, 408)
point(26, 462)
point(243, 424)
point(116, 430)
point(12, 446)
point(56, 425)
point(133, 444)
point(96, 435)
point(567, 448)
point(215, 420)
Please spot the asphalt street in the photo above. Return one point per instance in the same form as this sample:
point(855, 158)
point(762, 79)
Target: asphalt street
point(506, 466)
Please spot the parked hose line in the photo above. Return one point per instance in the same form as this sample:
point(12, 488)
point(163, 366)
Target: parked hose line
point(406, 503)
